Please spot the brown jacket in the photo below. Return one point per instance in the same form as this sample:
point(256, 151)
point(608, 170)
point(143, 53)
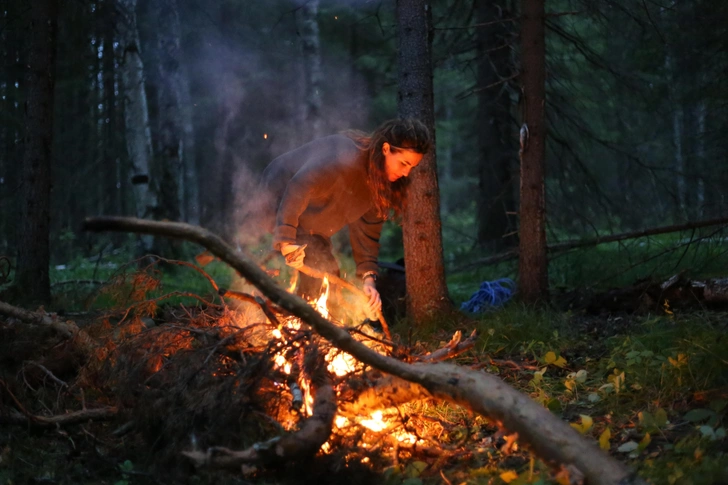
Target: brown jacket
point(321, 187)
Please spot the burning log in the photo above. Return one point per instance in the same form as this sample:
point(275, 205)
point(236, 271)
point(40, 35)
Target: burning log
point(312, 434)
point(552, 439)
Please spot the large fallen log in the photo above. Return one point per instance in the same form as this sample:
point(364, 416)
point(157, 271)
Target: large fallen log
point(552, 439)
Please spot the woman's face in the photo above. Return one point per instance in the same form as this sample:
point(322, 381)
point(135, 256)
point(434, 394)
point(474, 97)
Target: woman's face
point(399, 161)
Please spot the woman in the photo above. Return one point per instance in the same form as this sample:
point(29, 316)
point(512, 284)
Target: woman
point(352, 179)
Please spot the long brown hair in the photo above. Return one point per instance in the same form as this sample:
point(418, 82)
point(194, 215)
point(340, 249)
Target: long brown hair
point(401, 134)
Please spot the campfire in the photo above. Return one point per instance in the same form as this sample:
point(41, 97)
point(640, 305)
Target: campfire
point(381, 427)
point(265, 379)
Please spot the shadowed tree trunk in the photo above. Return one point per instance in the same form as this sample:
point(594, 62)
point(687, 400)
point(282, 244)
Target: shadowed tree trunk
point(422, 231)
point(310, 45)
point(136, 116)
point(532, 263)
point(109, 155)
point(494, 126)
point(32, 276)
point(191, 182)
point(168, 99)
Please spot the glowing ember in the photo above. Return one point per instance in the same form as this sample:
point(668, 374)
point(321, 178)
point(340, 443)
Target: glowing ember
point(376, 423)
point(379, 423)
point(340, 363)
point(281, 363)
point(404, 437)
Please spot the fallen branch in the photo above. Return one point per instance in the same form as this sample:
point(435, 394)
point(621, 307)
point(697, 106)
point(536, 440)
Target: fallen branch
point(580, 243)
point(455, 347)
point(68, 329)
point(76, 417)
point(552, 439)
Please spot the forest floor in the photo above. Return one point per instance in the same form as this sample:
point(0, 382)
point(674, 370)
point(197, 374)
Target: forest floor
point(649, 385)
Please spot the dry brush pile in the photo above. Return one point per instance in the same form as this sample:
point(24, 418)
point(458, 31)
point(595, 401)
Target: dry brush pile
point(261, 384)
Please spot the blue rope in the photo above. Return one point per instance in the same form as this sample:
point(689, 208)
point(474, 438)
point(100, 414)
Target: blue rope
point(492, 294)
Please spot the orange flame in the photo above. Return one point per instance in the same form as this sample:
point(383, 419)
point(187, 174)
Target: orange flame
point(323, 299)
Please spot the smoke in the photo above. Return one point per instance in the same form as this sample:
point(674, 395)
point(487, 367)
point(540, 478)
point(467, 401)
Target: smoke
point(249, 91)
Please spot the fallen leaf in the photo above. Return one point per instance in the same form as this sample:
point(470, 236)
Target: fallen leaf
point(508, 476)
point(604, 439)
point(699, 414)
point(586, 423)
point(661, 417)
point(645, 442)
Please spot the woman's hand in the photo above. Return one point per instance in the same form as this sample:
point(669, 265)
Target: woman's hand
point(375, 301)
point(294, 254)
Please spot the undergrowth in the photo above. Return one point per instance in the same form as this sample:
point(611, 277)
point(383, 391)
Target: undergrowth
point(650, 389)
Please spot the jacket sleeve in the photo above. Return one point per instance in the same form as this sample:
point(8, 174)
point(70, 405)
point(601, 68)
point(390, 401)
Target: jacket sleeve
point(364, 237)
point(312, 181)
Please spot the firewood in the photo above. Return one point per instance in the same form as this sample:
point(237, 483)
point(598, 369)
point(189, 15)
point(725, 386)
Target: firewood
point(304, 442)
point(83, 342)
point(25, 418)
point(552, 439)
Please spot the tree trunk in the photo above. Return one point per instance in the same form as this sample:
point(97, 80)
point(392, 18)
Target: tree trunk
point(109, 155)
point(136, 116)
point(168, 99)
point(532, 264)
point(32, 276)
point(703, 210)
point(191, 182)
point(495, 146)
point(422, 231)
point(310, 46)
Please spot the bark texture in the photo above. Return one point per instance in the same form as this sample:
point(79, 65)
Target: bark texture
point(550, 438)
point(168, 104)
point(532, 263)
point(311, 48)
point(34, 245)
point(112, 184)
point(136, 115)
point(426, 289)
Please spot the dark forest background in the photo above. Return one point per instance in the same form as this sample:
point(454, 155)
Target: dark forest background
point(170, 110)
point(637, 103)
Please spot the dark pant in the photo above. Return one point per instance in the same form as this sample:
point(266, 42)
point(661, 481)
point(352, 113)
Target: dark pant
point(320, 256)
